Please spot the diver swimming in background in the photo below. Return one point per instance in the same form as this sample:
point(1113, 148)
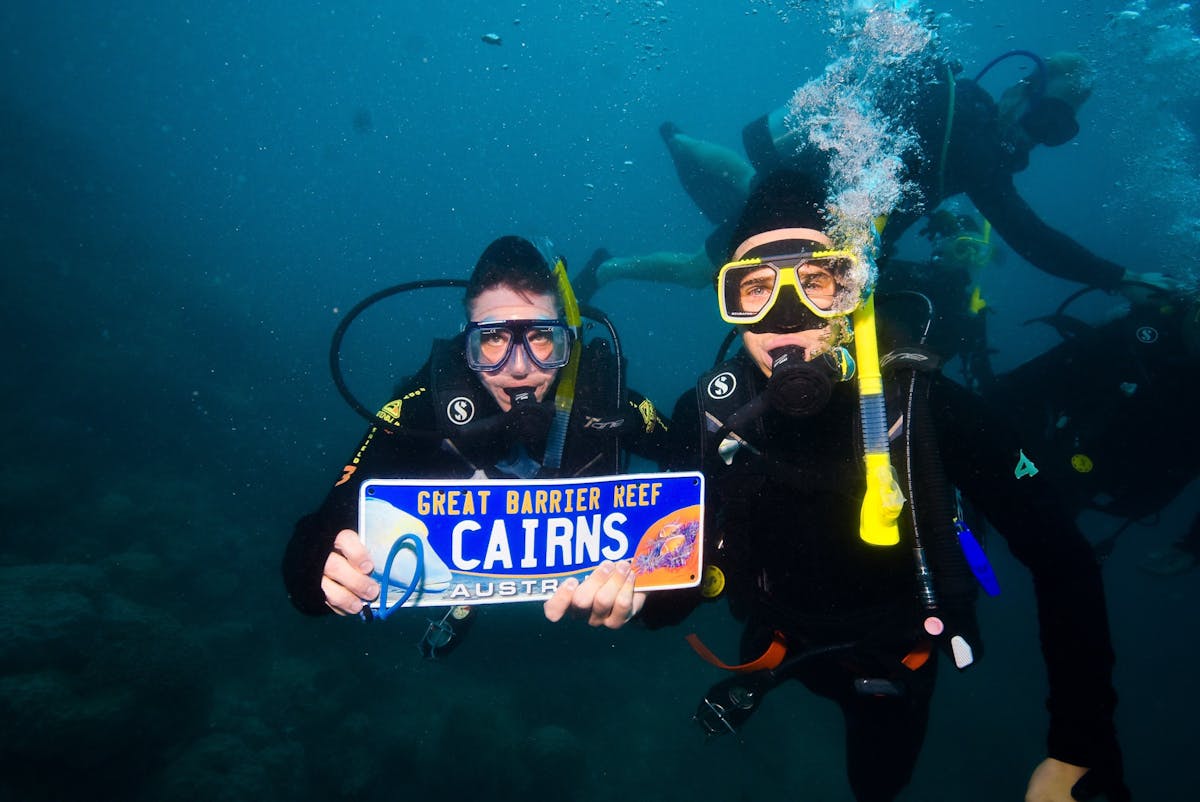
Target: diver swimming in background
point(1110, 413)
point(961, 248)
point(488, 403)
point(969, 144)
point(834, 529)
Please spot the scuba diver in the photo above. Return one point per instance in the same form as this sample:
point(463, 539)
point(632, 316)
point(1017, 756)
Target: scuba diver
point(961, 247)
point(831, 469)
point(969, 143)
point(516, 394)
point(1109, 412)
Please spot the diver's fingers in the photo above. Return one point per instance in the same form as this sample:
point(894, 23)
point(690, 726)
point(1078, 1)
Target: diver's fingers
point(350, 545)
point(575, 596)
point(340, 600)
point(609, 590)
point(556, 606)
point(627, 604)
point(583, 603)
point(346, 587)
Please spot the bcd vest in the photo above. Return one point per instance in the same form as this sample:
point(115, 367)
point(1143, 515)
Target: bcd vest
point(468, 417)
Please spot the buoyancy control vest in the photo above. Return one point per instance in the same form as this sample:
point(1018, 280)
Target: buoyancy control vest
point(473, 426)
point(945, 584)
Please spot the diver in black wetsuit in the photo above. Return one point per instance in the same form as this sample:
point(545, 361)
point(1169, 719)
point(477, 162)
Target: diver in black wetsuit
point(481, 406)
point(962, 247)
point(988, 143)
point(833, 590)
point(1109, 413)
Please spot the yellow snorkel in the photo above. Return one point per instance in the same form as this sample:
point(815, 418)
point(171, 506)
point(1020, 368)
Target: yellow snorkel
point(564, 397)
point(883, 500)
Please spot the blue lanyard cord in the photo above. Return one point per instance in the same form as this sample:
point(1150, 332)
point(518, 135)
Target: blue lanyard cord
point(418, 547)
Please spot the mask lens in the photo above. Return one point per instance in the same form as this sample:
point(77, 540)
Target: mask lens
point(817, 282)
point(548, 346)
point(749, 290)
point(488, 347)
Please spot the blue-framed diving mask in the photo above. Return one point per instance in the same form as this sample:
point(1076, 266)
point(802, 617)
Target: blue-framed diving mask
point(489, 343)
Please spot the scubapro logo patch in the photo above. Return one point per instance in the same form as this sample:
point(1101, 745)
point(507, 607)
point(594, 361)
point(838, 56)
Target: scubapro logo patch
point(722, 385)
point(1147, 334)
point(460, 410)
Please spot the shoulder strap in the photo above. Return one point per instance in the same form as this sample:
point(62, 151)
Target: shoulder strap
point(458, 398)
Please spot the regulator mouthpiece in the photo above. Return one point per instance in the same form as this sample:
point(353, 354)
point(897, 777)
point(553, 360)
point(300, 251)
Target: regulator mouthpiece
point(798, 387)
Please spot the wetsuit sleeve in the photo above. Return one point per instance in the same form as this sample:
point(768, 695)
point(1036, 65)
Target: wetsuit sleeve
point(668, 607)
point(981, 453)
point(981, 163)
point(645, 432)
point(381, 453)
point(1046, 248)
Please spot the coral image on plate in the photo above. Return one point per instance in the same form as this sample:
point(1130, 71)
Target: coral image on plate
point(668, 554)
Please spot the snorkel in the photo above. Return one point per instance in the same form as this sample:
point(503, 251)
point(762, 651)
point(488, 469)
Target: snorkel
point(564, 397)
point(883, 500)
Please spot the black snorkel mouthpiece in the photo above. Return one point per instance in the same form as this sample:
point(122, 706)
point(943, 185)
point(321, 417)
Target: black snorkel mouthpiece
point(798, 387)
point(521, 396)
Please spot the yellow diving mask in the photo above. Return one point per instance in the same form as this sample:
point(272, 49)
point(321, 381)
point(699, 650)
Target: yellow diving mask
point(826, 281)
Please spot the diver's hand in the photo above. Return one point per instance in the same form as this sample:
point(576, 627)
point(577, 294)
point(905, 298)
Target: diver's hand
point(347, 582)
point(606, 597)
point(1143, 289)
point(1052, 781)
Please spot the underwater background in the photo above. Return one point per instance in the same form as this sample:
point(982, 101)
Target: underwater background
point(192, 193)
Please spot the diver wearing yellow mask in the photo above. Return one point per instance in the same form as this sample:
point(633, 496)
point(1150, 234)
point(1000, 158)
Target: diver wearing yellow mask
point(834, 529)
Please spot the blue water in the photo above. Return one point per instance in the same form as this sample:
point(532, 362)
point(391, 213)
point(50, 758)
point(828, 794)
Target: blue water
point(194, 192)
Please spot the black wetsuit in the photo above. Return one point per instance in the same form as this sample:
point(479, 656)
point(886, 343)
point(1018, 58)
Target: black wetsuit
point(1109, 415)
point(426, 443)
point(980, 163)
point(785, 530)
point(956, 331)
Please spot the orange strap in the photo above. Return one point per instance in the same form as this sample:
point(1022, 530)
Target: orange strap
point(771, 658)
point(919, 655)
